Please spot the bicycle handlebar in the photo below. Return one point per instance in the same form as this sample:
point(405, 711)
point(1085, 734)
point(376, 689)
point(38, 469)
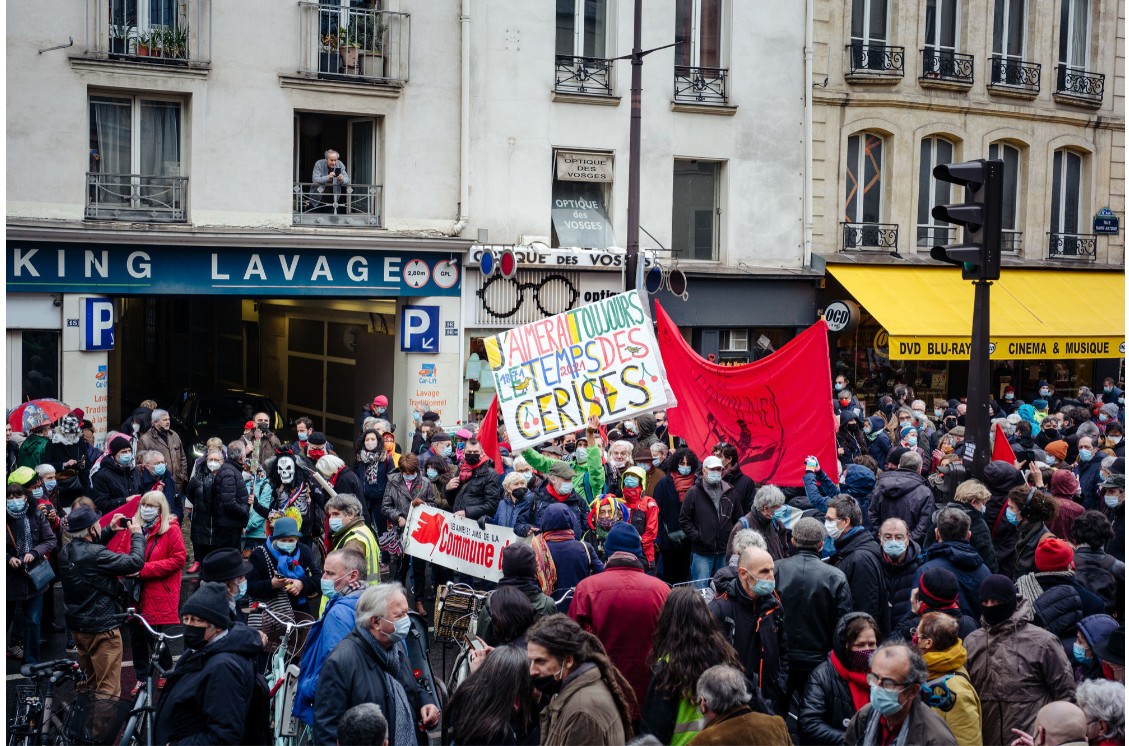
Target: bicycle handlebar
point(132, 614)
point(62, 664)
point(288, 624)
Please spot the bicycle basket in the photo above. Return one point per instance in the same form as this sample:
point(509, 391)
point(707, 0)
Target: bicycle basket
point(274, 632)
point(455, 604)
point(96, 718)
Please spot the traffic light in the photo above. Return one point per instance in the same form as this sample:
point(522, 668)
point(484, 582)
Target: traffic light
point(981, 215)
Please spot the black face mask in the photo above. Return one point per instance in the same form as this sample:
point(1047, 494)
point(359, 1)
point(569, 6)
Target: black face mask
point(472, 458)
point(194, 637)
point(1001, 612)
point(519, 493)
point(570, 447)
point(548, 685)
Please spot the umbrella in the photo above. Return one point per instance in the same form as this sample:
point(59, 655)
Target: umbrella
point(32, 414)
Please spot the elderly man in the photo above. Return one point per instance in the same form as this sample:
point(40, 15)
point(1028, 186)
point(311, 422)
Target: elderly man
point(370, 665)
point(723, 698)
point(901, 557)
point(329, 176)
point(896, 713)
point(1104, 704)
point(903, 493)
point(1057, 724)
point(475, 491)
point(766, 518)
point(162, 439)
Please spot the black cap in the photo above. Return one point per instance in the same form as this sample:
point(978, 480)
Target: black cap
point(440, 437)
point(224, 564)
point(1112, 648)
point(430, 417)
point(316, 439)
point(82, 518)
point(209, 602)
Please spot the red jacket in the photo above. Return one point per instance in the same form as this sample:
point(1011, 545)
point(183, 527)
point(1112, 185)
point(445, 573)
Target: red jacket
point(645, 518)
point(165, 558)
point(621, 607)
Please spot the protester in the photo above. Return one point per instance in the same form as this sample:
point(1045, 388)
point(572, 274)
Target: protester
point(284, 567)
point(30, 540)
point(669, 494)
point(903, 493)
point(1000, 477)
point(1094, 569)
point(558, 488)
point(972, 497)
point(723, 698)
point(1056, 724)
point(115, 481)
point(1113, 496)
point(953, 552)
point(1103, 703)
point(1028, 509)
point(766, 518)
point(643, 512)
point(363, 725)
point(573, 560)
point(956, 701)
point(474, 493)
point(347, 529)
point(606, 512)
point(515, 496)
point(1093, 632)
point(519, 572)
point(859, 557)
point(495, 703)
point(837, 688)
point(161, 438)
point(901, 556)
point(937, 590)
point(710, 510)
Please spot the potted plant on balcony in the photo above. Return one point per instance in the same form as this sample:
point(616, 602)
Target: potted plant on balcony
point(329, 60)
point(371, 35)
point(176, 42)
point(350, 47)
point(120, 34)
point(146, 42)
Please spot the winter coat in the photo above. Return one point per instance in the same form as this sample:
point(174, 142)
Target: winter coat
point(755, 627)
point(926, 728)
point(981, 534)
point(205, 519)
point(902, 494)
point(165, 557)
point(709, 527)
point(999, 478)
point(1061, 605)
point(879, 447)
point(532, 510)
point(89, 573)
point(646, 424)
point(819, 490)
point(373, 492)
point(1100, 573)
point(112, 485)
point(229, 496)
point(964, 717)
point(774, 533)
point(256, 528)
point(621, 606)
point(1089, 477)
point(959, 558)
point(58, 452)
point(743, 485)
point(859, 483)
point(827, 706)
point(583, 712)
point(210, 691)
point(1016, 668)
point(900, 579)
point(166, 485)
point(1116, 545)
point(43, 542)
point(542, 606)
point(167, 443)
point(510, 508)
point(262, 570)
point(32, 450)
point(903, 629)
point(1030, 534)
point(588, 477)
point(743, 726)
point(398, 496)
point(804, 582)
point(353, 674)
point(858, 555)
point(337, 620)
point(348, 483)
point(574, 560)
point(479, 495)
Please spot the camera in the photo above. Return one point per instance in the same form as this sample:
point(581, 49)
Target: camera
point(336, 170)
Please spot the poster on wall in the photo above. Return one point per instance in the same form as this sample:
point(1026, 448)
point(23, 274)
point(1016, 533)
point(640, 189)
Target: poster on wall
point(601, 358)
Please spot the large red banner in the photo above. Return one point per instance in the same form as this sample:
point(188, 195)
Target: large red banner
point(776, 411)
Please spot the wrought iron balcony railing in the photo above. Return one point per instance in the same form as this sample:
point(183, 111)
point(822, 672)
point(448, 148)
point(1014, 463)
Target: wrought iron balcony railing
point(1080, 84)
point(870, 236)
point(352, 205)
point(1082, 246)
point(136, 197)
point(875, 59)
point(170, 34)
point(1011, 242)
point(354, 44)
point(701, 85)
point(951, 67)
point(586, 75)
point(1013, 73)
point(935, 235)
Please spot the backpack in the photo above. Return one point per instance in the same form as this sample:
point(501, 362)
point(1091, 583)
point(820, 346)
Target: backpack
point(1098, 578)
point(936, 692)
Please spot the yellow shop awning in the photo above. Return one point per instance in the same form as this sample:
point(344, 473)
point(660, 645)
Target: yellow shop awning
point(1035, 314)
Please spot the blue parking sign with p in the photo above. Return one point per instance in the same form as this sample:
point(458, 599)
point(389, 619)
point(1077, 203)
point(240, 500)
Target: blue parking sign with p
point(96, 321)
point(419, 329)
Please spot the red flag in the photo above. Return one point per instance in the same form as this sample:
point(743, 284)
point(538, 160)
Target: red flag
point(776, 411)
point(1002, 450)
point(121, 541)
point(488, 435)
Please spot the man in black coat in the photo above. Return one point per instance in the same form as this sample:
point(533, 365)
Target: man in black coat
point(936, 590)
point(115, 481)
point(858, 555)
point(954, 553)
point(214, 694)
point(230, 498)
point(475, 492)
point(743, 485)
point(903, 493)
point(901, 556)
point(370, 665)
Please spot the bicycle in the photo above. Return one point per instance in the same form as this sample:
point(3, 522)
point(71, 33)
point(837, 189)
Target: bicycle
point(282, 680)
point(140, 723)
point(36, 719)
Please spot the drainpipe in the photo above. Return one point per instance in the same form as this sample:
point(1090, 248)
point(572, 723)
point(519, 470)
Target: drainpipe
point(809, 33)
point(464, 127)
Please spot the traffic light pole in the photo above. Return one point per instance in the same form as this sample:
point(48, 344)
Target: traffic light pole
point(976, 417)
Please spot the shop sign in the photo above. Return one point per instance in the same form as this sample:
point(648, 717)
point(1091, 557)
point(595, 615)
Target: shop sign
point(179, 270)
point(572, 166)
point(601, 359)
point(456, 542)
point(1006, 348)
point(419, 329)
point(842, 316)
point(1106, 222)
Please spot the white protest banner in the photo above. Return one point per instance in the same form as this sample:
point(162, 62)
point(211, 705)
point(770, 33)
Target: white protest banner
point(458, 543)
point(600, 359)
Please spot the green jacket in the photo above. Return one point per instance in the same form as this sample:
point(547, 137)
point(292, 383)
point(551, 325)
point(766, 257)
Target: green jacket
point(542, 606)
point(594, 467)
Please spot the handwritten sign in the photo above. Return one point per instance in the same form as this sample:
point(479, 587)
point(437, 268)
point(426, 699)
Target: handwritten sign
point(458, 543)
point(600, 359)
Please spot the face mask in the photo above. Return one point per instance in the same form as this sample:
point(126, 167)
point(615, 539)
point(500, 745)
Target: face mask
point(655, 462)
point(838, 387)
point(327, 588)
point(629, 427)
point(528, 476)
point(885, 702)
point(381, 410)
point(248, 477)
point(581, 453)
point(993, 615)
point(399, 629)
point(242, 590)
point(315, 454)
point(1108, 389)
point(852, 425)
point(564, 488)
point(159, 470)
point(684, 470)
point(894, 549)
point(149, 513)
point(1009, 397)
point(1050, 460)
point(781, 513)
point(866, 428)
point(37, 493)
point(335, 524)
point(1044, 393)
point(859, 660)
point(17, 506)
point(194, 637)
point(911, 441)
point(548, 685)
point(713, 477)
point(1080, 655)
point(1012, 518)
point(125, 458)
point(938, 412)
point(832, 528)
point(631, 482)
point(416, 416)
point(213, 465)
point(1085, 454)
point(286, 547)
point(303, 437)
point(570, 447)
point(432, 474)
point(764, 587)
point(50, 484)
point(519, 493)
point(1113, 440)
point(983, 508)
point(618, 463)
point(447, 451)
point(1111, 501)
point(389, 446)
point(472, 458)
point(410, 479)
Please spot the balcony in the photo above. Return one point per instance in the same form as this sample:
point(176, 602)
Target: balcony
point(701, 85)
point(870, 237)
point(585, 76)
point(929, 236)
point(1012, 77)
point(136, 198)
point(1011, 241)
point(356, 205)
point(1080, 246)
point(941, 68)
point(1077, 86)
point(875, 63)
point(354, 45)
point(150, 33)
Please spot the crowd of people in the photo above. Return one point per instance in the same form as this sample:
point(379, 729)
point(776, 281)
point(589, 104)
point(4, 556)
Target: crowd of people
point(657, 593)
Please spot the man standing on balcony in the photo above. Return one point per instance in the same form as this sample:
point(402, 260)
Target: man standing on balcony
point(329, 174)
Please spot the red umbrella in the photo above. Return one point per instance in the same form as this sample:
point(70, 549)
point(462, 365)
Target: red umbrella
point(42, 411)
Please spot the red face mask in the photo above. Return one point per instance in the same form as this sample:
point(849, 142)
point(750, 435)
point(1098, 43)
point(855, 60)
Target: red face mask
point(314, 454)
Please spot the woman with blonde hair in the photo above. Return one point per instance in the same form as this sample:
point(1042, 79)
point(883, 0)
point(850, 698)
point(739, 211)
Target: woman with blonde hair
point(972, 497)
point(159, 579)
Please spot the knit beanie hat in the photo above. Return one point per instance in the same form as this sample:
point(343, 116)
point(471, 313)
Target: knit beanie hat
point(518, 561)
point(381, 400)
point(623, 538)
point(937, 588)
point(1053, 555)
point(1057, 448)
point(119, 443)
point(997, 588)
point(316, 439)
point(209, 602)
point(1064, 484)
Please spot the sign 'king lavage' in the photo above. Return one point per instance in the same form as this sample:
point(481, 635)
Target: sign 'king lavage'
point(599, 359)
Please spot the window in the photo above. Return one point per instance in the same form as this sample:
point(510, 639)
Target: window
point(1008, 29)
point(941, 19)
point(1009, 154)
point(868, 22)
point(154, 29)
point(733, 340)
point(354, 201)
point(935, 151)
point(1074, 34)
point(696, 209)
point(580, 200)
point(1066, 193)
point(864, 178)
point(135, 159)
point(697, 29)
point(582, 28)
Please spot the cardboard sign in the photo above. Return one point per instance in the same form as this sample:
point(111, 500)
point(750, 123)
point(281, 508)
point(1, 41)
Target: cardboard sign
point(601, 359)
point(458, 543)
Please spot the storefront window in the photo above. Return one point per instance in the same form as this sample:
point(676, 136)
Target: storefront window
point(40, 365)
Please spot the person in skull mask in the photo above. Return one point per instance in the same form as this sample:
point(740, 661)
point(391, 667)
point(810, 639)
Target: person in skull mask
point(66, 451)
point(292, 494)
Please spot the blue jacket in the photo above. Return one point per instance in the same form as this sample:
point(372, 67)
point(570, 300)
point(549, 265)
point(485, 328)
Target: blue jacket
point(858, 483)
point(339, 619)
point(959, 558)
point(820, 489)
point(508, 510)
point(574, 560)
point(537, 502)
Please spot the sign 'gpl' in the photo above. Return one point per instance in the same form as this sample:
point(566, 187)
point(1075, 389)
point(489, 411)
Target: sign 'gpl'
point(419, 329)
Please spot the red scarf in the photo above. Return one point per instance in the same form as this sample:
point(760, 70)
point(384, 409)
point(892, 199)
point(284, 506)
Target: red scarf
point(856, 681)
point(333, 479)
point(465, 470)
point(631, 495)
point(682, 483)
point(563, 534)
point(554, 494)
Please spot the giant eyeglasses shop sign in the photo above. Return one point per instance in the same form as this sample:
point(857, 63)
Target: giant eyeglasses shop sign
point(35, 267)
point(601, 358)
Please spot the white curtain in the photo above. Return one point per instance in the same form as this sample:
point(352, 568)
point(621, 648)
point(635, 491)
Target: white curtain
point(160, 138)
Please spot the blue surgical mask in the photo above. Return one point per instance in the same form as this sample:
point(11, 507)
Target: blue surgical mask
point(327, 588)
point(911, 441)
point(1111, 501)
point(1085, 454)
point(656, 461)
point(1009, 397)
point(381, 410)
point(528, 476)
point(1113, 439)
point(631, 482)
point(17, 506)
point(838, 387)
point(335, 524)
point(400, 629)
point(1044, 393)
point(286, 547)
point(884, 701)
point(1080, 654)
point(37, 492)
point(159, 470)
point(447, 451)
point(565, 488)
point(781, 513)
point(149, 513)
point(1108, 389)
point(1011, 516)
point(432, 473)
point(51, 484)
point(125, 458)
point(581, 453)
point(713, 477)
point(764, 587)
point(303, 437)
point(1050, 459)
point(416, 416)
point(894, 548)
point(242, 590)
point(684, 470)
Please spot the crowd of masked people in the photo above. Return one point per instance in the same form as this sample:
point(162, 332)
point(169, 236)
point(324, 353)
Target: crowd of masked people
point(658, 594)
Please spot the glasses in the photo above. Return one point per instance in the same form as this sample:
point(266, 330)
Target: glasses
point(888, 684)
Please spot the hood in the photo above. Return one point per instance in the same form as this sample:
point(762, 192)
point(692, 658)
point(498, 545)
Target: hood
point(1027, 412)
point(846, 417)
point(1097, 628)
point(859, 480)
point(645, 425)
point(877, 424)
point(240, 639)
point(959, 554)
point(899, 483)
point(594, 513)
point(556, 517)
point(725, 580)
point(838, 640)
point(1000, 476)
point(945, 661)
point(637, 471)
point(1022, 615)
point(857, 539)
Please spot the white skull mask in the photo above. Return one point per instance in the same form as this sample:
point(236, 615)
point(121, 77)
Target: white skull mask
point(286, 469)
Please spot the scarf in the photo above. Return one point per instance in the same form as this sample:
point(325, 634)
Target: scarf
point(22, 534)
point(333, 479)
point(1029, 587)
point(682, 483)
point(286, 565)
point(871, 734)
point(396, 670)
point(528, 586)
point(371, 460)
point(546, 568)
point(563, 534)
point(856, 681)
point(554, 494)
point(465, 472)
